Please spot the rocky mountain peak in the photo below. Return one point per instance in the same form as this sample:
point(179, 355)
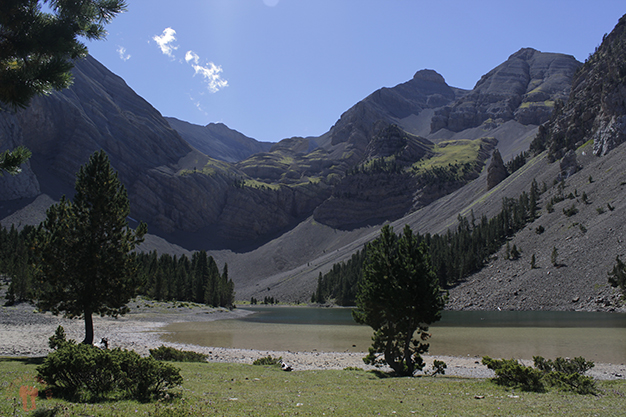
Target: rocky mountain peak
point(429, 75)
point(524, 53)
point(523, 88)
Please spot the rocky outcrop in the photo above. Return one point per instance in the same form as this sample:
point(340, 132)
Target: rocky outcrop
point(596, 109)
point(524, 88)
point(569, 166)
point(496, 173)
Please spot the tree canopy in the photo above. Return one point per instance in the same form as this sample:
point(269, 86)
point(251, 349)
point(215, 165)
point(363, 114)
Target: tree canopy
point(85, 248)
point(398, 296)
point(38, 48)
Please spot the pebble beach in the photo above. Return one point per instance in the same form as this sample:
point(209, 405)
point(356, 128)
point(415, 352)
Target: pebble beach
point(25, 332)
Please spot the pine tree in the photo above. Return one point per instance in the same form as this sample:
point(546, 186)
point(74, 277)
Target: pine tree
point(38, 49)
point(398, 296)
point(87, 264)
point(554, 256)
point(617, 277)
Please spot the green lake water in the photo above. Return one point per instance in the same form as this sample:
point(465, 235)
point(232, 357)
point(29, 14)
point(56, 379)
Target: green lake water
point(600, 337)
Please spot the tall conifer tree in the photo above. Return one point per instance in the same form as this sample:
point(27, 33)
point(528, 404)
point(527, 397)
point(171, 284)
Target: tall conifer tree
point(87, 264)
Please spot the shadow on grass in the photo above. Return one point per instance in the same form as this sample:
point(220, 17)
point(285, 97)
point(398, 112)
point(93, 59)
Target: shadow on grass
point(382, 375)
point(25, 360)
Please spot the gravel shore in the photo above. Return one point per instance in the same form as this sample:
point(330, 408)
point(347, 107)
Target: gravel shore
point(24, 332)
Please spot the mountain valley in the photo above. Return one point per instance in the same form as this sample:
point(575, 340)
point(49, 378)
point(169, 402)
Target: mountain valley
point(279, 214)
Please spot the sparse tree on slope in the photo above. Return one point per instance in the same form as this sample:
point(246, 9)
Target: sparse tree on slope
point(85, 246)
point(617, 277)
point(398, 296)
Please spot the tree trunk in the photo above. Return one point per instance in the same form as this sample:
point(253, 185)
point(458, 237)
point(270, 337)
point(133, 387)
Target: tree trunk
point(88, 328)
point(408, 354)
point(391, 360)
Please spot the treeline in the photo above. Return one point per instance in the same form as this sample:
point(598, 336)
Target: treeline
point(16, 262)
point(454, 255)
point(169, 278)
point(162, 277)
point(340, 283)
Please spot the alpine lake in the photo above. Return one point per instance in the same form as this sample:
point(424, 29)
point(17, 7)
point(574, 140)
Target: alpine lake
point(599, 337)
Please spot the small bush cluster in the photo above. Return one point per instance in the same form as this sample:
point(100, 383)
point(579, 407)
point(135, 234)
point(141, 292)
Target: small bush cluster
point(439, 367)
point(164, 353)
point(268, 360)
point(563, 373)
point(86, 373)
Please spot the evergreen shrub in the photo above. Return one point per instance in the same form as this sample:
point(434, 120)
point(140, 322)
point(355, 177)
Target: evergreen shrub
point(86, 373)
point(164, 353)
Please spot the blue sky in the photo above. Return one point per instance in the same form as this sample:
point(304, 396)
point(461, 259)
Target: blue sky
point(273, 69)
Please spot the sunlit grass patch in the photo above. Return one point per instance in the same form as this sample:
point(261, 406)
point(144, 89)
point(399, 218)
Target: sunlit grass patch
point(237, 389)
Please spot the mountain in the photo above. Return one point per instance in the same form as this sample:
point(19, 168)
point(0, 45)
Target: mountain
point(218, 141)
point(524, 88)
point(281, 214)
point(597, 106)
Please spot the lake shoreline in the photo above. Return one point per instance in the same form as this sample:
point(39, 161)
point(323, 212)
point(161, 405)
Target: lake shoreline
point(24, 332)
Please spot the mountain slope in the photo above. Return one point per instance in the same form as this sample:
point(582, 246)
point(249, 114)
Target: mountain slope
point(597, 106)
point(218, 141)
point(581, 217)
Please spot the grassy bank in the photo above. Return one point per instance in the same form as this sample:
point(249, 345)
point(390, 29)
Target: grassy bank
point(247, 390)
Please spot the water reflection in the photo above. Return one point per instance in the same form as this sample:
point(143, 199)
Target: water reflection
point(600, 337)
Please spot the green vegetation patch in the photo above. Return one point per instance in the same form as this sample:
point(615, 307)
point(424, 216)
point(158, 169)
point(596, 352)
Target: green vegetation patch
point(449, 153)
point(238, 390)
point(528, 104)
point(212, 167)
point(252, 183)
point(165, 353)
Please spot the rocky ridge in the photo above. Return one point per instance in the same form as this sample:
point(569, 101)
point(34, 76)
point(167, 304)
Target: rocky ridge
point(596, 109)
point(524, 88)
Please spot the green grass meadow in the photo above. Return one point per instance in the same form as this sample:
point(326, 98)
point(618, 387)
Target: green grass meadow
point(246, 390)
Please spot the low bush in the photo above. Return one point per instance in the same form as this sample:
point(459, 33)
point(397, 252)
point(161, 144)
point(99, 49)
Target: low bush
point(86, 373)
point(562, 373)
point(268, 360)
point(164, 353)
point(511, 373)
point(439, 367)
point(145, 378)
point(567, 373)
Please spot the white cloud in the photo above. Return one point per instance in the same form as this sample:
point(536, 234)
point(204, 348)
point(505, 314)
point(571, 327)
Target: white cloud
point(165, 41)
point(210, 72)
point(123, 55)
point(192, 56)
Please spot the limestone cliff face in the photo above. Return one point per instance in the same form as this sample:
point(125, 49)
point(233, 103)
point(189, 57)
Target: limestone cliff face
point(596, 109)
point(524, 88)
point(385, 186)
